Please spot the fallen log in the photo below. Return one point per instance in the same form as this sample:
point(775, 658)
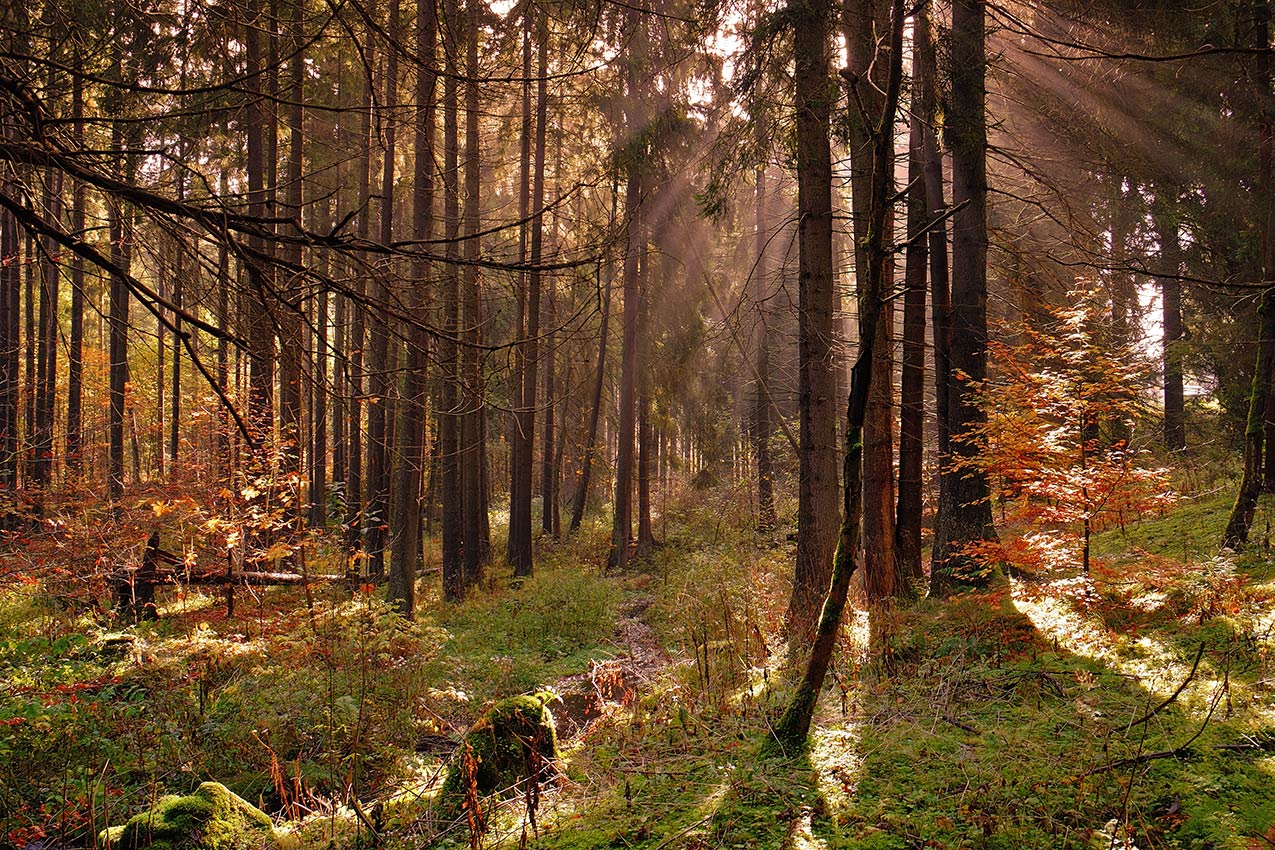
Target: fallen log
point(219, 579)
point(135, 585)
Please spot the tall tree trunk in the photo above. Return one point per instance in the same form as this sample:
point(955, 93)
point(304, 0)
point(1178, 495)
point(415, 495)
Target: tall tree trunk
point(471, 453)
point(863, 20)
point(935, 210)
point(622, 524)
point(1266, 209)
point(179, 264)
point(794, 726)
point(521, 550)
point(817, 509)
point(380, 410)
point(75, 356)
point(225, 461)
point(518, 549)
point(319, 408)
point(1171, 318)
point(47, 365)
point(548, 486)
point(29, 336)
point(599, 383)
point(358, 316)
point(634, 125)
point(763, 428)
point(965, 509)
point(453, 543)
point(260, 330)
point(161, 372)
point(290, 336)
point(411, 431)
point(646, 541)
point(1241, 520)
point(912, 392)
point(10, 307)
point(120, 232)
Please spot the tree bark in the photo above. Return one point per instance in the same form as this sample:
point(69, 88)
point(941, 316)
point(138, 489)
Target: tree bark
point(863, 20)
point(75, 355)
point(622, 525)
point(965, 510)
point(453, 542)
point(817, 509)
point(260, 330)
point(120, 232)
point(411, 432)
point(912, 382)
point(935, 210)
point(518, 549)
point(1171, 320)
point(381, 409)
point(1241, 519)
point(599, 383)
point(472, 426)
point(47, 360)
point(794, 726)
point(522, 559)
point(289, 323)
point(763, 428)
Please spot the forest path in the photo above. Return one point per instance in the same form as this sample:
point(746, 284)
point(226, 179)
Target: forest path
point(615, 682)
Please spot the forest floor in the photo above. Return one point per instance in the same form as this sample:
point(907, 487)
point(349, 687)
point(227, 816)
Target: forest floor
point(1134, 707)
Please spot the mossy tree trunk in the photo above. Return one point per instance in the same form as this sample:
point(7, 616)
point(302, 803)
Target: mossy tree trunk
point(794, 727)
point(1245, 507)
point(1237, 527)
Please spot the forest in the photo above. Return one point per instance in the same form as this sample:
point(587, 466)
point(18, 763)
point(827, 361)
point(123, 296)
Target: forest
point(648, 424)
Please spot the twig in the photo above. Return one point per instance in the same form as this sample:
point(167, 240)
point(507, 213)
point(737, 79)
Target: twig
point(958, 724)
point(1171, 753)
point(666, 842)
point(1153, 712)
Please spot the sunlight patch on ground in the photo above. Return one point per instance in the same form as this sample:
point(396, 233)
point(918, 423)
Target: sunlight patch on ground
point(837, 762)
point(1149, 663)
point(836, 733)
point(801, 836)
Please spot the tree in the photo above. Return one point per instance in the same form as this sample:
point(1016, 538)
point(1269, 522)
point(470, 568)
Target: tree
point(532, 233)
point(817, 510)
point(411, 431)
point(1241, 519)
point(865, 73)
point(1166, 232)
point(907, 526)
point(1060, 412)
point(633, 155)
point(762, 428)
point(794, 725)
point(473, 418)
point(449, 414)
point(964, 509)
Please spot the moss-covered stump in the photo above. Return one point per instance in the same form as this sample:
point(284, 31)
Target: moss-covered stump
point(212, 818)
point(513, 741)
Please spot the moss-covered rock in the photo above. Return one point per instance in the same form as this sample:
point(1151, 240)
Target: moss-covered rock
point(212, 818)
point(512, 741)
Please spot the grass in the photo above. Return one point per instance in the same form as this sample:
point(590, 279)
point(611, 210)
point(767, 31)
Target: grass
point(1028, 717)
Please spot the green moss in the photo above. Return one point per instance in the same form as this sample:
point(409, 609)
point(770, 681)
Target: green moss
point(212, 818)
point(514, 737)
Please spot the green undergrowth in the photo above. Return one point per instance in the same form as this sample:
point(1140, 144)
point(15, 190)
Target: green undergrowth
point(1131, 707)
point(290, 708)
point(1056, 714)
